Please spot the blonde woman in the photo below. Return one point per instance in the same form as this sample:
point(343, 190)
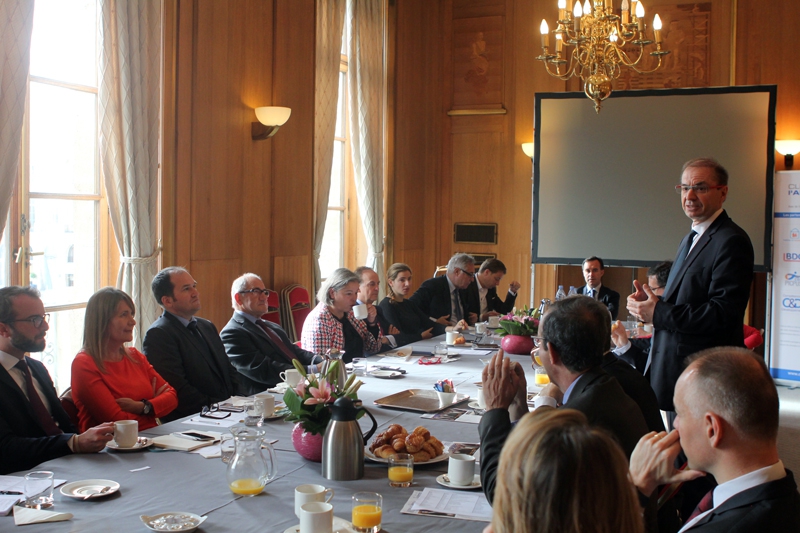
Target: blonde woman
point(401, 312)
point(558, 475)
point(110, 381)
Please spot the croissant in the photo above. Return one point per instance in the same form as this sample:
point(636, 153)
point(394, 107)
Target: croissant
point(414, 443)
point(394, 429)
point(399, 445)
point(385, 452)
point(428, 448)
point(437, 445)
point(423, 432)
point(421, 457)
point(379, 441)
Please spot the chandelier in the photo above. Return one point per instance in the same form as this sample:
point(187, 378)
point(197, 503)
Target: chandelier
point(590, 41)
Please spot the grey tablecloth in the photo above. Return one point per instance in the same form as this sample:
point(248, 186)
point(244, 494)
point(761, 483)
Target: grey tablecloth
point(179, 481)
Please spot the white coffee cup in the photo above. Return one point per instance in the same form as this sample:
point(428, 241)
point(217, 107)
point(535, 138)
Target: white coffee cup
point(494, 321)
point(267, 403)
point(360, 311)
point(461, 469)
point(450, 337)
point(126, 433)
point(291, 377)
point(481, 399)
point(480, 328)
point(648, 328)
point(316, 517)
point(310, 493)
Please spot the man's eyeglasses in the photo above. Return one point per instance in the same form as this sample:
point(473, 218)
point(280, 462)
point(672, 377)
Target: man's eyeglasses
point(36, 320)
point(698, 189)
point(538, 342)
point(215, 411)
point(265, 292)
point(470, 274)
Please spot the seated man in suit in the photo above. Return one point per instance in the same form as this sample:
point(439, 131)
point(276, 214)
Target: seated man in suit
point(635, 351)
point(727, 425)
point(445, 298)
point(367, 294)
point(260, 350)
point(186, 350)
point(593, 270)
point(484, 289)
point(574, 336)
point(34, 428)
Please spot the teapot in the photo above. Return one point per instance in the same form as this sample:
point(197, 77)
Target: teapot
point(250, 468)
point(339, 376)
point(343, 443)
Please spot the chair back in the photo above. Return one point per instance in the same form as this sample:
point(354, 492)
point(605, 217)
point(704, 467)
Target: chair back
point(439, 271)
point(295, 307)
point(69, 406)
point(273, 308)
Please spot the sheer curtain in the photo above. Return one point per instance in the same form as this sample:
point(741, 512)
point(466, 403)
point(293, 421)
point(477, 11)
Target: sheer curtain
point(128, 116)
point(16, 25)
point(365, 81)
point(330, 21)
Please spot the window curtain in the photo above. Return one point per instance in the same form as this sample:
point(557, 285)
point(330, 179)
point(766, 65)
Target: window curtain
point(128, 116)
point(365, 79)
point(330, 21)
point(16, 25)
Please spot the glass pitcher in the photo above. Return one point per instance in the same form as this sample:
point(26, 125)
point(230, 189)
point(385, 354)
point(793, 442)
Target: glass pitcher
point(253, 463)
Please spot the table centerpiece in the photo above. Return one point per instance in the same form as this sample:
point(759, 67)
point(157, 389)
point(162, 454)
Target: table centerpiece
point(517, 328)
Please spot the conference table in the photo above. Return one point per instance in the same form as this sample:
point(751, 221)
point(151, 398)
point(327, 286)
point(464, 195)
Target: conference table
point(158, 481)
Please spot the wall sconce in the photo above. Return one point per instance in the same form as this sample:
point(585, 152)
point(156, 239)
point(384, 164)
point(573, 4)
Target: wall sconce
point(787, 149)
point(269, 120)
point(528, 149)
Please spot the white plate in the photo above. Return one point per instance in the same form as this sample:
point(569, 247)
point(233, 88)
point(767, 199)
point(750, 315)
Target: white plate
point(443, 480)
point(385, 374)
point(372, 457)
point(474, 405)
point(141, 444)
point(274, 416)
point(465, 345)
point(89, 487)
point(195, 521)
point(340, 525)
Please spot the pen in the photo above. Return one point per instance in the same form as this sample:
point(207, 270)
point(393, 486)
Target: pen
point(10, 493)
point(435, 513)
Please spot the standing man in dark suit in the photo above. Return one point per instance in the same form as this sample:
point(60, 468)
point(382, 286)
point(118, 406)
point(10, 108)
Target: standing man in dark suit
point(259, 349)
point(593, 271)
point(708, 286)
point(727, 425)
point(34, 428)
point(186, 350)
point(574, 336)
point(445, 298)
point(484, 290)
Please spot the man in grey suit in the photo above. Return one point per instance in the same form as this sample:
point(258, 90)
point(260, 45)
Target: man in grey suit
point(186, 350)
point(259, 349)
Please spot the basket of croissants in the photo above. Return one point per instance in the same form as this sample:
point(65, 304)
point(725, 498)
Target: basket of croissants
point(396, 439)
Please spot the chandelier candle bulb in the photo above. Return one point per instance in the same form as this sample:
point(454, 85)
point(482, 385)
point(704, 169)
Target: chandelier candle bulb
point(587, 9)
point(577, 13)
point(640, 15)
point(609, 6)
point(626, 11)
point(562, 10)
point(545, 31)
point(559, 44)
point(657, 28)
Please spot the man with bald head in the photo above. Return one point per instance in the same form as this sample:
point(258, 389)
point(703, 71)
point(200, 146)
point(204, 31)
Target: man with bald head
point(727, 425)
point(259, 349)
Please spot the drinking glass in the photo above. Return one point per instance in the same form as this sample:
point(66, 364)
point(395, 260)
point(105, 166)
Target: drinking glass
point(401, 470)
point(252, 413)
point(360, 366)
point(367, 512)
point(39, 490)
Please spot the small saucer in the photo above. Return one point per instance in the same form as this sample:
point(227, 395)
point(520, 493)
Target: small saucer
point(385, 374)
point(445, 481)
point(274, 416)
point(474, 405)
point(90, 489)
point(141, 444)
point(340, 525)
point(175, 521)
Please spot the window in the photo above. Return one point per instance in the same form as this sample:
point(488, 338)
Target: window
point(57, 214)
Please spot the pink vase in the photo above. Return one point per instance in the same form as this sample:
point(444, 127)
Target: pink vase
point(517, 344)
point(309, 446)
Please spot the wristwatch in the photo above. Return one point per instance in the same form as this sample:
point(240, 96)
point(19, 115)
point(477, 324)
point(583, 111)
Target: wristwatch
point(148, 407)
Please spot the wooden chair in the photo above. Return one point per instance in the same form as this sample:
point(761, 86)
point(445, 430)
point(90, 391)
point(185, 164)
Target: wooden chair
point(440, 270)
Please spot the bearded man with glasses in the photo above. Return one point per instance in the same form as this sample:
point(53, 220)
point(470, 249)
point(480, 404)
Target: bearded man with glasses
point(259, 349)
point(33, 426)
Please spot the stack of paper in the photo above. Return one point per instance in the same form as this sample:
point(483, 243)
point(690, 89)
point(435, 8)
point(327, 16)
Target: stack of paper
point(449, 504)
point(184, 444)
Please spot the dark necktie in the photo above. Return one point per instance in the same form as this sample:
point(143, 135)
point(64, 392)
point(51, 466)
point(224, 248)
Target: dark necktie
point(706, 504)
point(459, 313)
point(195, 331)
point(276, 340)
point(681, 257)
point(592, 294)
point(42, 414)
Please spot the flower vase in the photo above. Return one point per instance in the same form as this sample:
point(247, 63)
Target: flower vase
point(308, 445)
point(517, 344)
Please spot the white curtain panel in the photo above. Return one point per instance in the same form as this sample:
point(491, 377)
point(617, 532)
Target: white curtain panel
point(329, 24)
point(16, 24)
point(128, 116)
point(365, 80)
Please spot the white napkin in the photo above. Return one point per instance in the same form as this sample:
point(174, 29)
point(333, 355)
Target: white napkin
point(400, 352)
point(280, 388)
point(23, 516)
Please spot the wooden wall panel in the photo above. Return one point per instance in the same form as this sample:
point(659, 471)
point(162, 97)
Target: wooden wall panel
point(214, 280)
point(288, 270)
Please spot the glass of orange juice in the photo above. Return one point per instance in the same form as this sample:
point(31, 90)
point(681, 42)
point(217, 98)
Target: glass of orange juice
point(401, 470)
point(367, 512)
point(541, 378)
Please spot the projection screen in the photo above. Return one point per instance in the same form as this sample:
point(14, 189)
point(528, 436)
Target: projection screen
point(604, 183)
